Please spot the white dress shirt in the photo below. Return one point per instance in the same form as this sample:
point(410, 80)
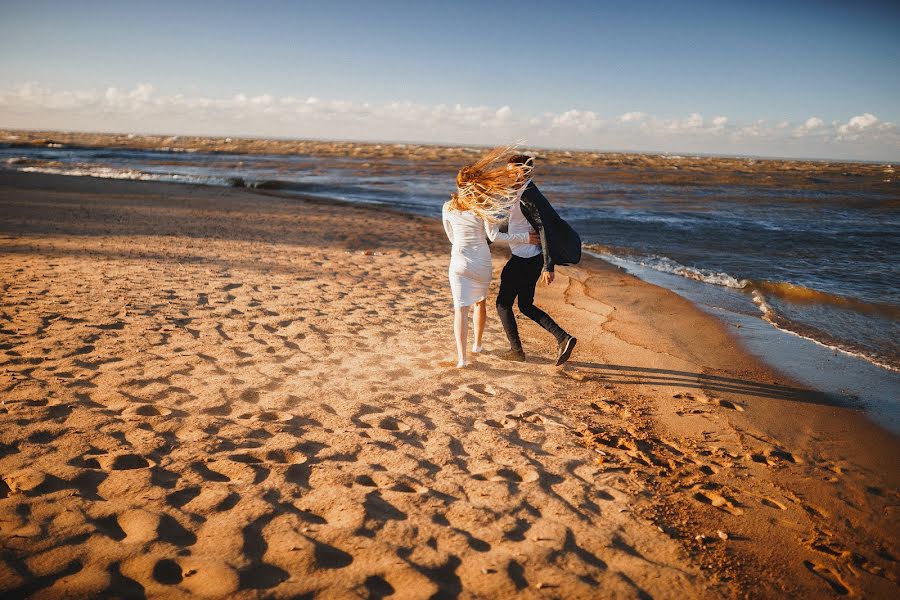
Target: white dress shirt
point(519, 224)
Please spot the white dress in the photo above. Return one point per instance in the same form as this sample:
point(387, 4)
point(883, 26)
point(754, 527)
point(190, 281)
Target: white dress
point(470, 258)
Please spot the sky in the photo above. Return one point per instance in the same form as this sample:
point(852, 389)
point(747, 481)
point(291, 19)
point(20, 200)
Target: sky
point(799, 79)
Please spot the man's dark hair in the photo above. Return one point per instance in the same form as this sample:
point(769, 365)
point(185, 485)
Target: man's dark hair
point(521, 159)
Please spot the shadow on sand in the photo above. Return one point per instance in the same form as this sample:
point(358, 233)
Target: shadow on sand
point(630, 375)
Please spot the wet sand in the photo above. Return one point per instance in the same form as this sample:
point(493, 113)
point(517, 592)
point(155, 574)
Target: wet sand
point(209, 391)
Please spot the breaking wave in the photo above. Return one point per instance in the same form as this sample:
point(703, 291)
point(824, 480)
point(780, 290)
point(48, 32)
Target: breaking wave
point(764, 292)
point(131, 174)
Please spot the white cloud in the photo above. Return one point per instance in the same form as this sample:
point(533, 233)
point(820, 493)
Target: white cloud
point(145, 109)
point(812, 126)
point(858, 124)
point(632, 117)
point(695, 121)
point(692, 125)
point(504, 113)
point(813, 123)
point(580, 120)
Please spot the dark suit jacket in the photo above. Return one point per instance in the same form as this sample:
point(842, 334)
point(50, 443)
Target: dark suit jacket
point(560, 244)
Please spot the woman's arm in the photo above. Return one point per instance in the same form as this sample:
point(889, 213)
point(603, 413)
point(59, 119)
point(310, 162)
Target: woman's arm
point(492, 230)
point(448, 227)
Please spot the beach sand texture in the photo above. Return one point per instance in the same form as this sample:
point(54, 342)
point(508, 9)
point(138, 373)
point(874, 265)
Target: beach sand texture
point(218, 393)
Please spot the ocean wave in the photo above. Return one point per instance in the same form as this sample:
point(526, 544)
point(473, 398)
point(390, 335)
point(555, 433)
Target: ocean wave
point(131, 174)
point(771, 316)
point(799, 294)
point(371, 192)
point(759, 290)
point(678, 221)
point(336, 191)
point(784, 290)
point(19, 161)
point(665, 264)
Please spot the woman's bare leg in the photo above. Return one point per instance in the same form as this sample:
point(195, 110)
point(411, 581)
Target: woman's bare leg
point(479, 315)
point(461, 331)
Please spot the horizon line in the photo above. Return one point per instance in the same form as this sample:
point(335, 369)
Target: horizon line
point(890, 162)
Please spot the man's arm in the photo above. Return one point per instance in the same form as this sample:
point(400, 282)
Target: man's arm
point(532, 201)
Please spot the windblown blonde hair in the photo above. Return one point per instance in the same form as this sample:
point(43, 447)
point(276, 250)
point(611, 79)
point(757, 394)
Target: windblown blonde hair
point(486, 188)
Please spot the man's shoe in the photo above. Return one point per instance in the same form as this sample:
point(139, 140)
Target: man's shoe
point(565, 349)
point(513, 354)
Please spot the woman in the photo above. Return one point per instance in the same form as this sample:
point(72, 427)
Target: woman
point(471, 217)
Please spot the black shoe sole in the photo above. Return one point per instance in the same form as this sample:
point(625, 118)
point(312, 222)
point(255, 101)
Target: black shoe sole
point(567, 351)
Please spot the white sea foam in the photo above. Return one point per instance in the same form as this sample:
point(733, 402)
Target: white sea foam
point(667, 265)
point(130, 174)
point(768, 314)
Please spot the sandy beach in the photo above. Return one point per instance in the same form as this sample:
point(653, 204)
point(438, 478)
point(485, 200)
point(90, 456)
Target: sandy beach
point(225, 393)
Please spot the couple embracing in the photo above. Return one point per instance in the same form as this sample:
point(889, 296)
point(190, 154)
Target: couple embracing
point(497, 200)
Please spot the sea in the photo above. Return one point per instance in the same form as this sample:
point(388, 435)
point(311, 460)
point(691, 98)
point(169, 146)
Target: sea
point(811, 274)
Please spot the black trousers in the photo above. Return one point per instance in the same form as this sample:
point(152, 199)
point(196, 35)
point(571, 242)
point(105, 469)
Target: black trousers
point(518, 279)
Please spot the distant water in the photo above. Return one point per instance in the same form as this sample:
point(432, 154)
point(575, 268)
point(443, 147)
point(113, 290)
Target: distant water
point(820, 263)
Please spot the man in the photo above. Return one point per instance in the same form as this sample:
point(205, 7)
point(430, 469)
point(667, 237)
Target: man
point(551, 242)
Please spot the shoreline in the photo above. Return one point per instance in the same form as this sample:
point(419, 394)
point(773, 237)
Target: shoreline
point(851, 379)
point(689, 429)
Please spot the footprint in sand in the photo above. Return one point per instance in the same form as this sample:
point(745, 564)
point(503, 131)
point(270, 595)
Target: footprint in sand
point(487, 424)
point(483, 389)
point(122, 462)
point(139, 526)
point(221, 410)
point(774, 457)
point(772, 503)
point(167, 572)
point(784, 455)
point(387, 423)
point(719, 501)
point(508, 474)
point(208, 578)
point(208, 474)
point(147, 410)
point(716, 401)
point(728, 405)
point(527, 416)
point(389, 483)
point(813, 511)
point(233, 471)
point(285, 457)
point(24, 480)
point(829, 576)
point(268, 416)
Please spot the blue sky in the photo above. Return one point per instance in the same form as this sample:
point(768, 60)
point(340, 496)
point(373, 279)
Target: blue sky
point(560, 74)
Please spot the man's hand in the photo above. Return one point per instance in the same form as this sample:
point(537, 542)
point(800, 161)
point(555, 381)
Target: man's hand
point(547, 277)
point(534, 238)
